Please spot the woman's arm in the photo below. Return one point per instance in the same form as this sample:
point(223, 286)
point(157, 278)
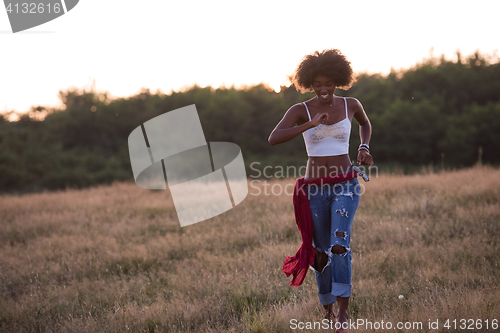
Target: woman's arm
point(365, 133)
point(286, 129)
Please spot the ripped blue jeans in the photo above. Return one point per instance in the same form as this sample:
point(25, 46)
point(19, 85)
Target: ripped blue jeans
point(332, 210)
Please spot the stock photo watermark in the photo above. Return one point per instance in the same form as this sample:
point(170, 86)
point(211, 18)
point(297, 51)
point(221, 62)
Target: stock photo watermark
point(25, 15)
point(430, 324)
point(262, 179)
point(205, 178)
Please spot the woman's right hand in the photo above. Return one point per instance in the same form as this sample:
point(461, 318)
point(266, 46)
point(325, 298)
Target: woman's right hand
point(320, 118)
point(286, 129)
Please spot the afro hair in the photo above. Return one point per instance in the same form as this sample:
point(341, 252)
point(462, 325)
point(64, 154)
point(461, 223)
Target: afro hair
point(330, 63)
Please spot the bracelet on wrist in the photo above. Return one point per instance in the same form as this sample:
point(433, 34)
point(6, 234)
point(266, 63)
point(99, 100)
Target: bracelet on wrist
point(364, 148)
point(365, 145)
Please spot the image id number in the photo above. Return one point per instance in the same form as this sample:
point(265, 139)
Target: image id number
point(33, 8)
point(471, 324)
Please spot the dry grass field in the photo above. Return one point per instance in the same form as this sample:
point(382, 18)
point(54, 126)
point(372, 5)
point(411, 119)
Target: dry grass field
point(114, 259)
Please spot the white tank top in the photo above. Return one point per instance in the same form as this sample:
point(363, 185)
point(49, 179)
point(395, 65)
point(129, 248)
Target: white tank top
point(328, 140)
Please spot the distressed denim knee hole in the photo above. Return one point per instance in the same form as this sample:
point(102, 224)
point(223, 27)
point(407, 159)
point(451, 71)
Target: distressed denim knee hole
point(322, 260)
point(339, 249)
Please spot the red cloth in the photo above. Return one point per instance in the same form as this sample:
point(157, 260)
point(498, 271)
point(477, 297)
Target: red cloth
point(298, 264)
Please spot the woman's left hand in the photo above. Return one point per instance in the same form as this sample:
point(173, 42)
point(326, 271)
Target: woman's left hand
point(364, 158)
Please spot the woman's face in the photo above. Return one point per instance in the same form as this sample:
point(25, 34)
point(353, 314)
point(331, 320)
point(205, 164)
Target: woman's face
point(324, 88)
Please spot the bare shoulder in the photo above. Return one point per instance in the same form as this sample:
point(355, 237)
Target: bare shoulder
point(356, 110)
point(297, 112)
point(297, 108)
point(354, 105)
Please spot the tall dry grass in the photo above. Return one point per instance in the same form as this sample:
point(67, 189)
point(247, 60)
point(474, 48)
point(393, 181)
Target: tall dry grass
point(114, 259)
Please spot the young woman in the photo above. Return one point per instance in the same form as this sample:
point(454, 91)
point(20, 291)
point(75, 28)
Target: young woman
point(326, 199)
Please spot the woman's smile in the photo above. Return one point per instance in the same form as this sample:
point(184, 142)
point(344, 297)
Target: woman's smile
point(325, 98)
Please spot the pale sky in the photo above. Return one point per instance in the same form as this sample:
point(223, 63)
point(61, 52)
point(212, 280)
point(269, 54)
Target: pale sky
point(127, 45)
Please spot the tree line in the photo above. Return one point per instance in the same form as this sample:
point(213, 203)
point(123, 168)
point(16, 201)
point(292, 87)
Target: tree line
point(439, 112)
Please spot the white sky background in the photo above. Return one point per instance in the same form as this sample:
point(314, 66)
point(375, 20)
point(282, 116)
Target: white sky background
point(163, 45)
